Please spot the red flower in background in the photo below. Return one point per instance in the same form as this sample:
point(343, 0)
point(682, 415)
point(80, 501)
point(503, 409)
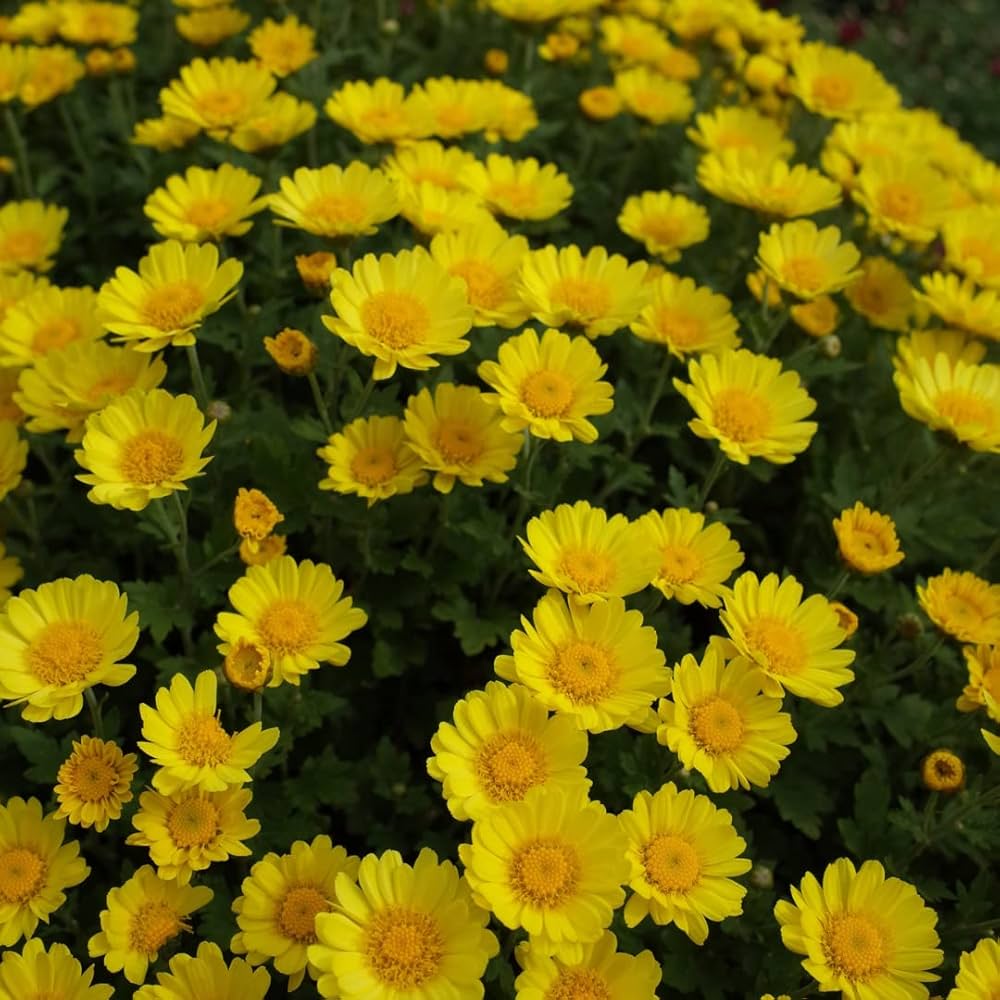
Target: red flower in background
point(851, 29)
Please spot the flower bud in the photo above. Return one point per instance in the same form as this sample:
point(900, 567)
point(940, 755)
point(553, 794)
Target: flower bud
point(247, 666)
point(292, 351)
point(762, 877)
point(254, 515)
point(495, 62)
point(909, 625)
point(942, 771)
point(830, 346)
point(219, 410)
point(315, 270)
point(847, 618)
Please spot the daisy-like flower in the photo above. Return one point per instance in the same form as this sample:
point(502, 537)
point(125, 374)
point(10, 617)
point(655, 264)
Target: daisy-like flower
point(30, 235)
point(292, 351)
point(818, 317)
point(164, 133)
point(654, 97)
point(867, 539)
point(866, 935)
point(549, 385)
point(903, 196)
point(971, 242)
point(807, 261)
point(283, 47)
point(177, 286)
point(963, 605)
point(534, 11)
point(271, 124)
point(402, 931)
point(718, 722)
point(501, 744)
point(431, 209)
point(960, 303)
point(978, 972)
point(731, 127)
point(48, 319)
point(633, 40)
point(37, 971)
point(664, 223)
point(185, 739)
point(374, 112)
point(94, 782)
point(510, 113)
point(597, 664)
point(187, 831)
point(207, 28)
point(141, 447)
point(553, 864)
point(793, 642)
point(983, 689)
point(578, 549)
point(247, 666)
point(203, 205)
point(401, 309)
point(836, 83)
point(942, 771)
point(448, 108)
point(294, 610)
point(882, 294)
point(683, 852)
point(316, 270)
point(62, 639)
point(370, 458)
point(747, 403)
point(428, 161)
point(52, 70)
point(695, 560)
point(207, 975)
point(95, 23)
point(687, 318)
point(254, 514)
point(35, 868)
point(458, 435)
point(13, 457)
point(17, 286)
point(599, 292)
point(140, 917)
point(519, 189)
point(600, 103)
point(280, 900)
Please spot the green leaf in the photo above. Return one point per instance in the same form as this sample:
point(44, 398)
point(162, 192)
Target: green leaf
point(157, 604)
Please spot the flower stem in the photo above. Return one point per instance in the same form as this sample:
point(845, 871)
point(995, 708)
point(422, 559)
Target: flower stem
point(216, 559)
point(366, 393)
point(838, 584)
point(20, 152)
point(258, 705)
point(95, 712)
point(184, 569)
point(661, 379)
point(921, 472)
point(324, 413)
point(197, 376)
point(713, 474)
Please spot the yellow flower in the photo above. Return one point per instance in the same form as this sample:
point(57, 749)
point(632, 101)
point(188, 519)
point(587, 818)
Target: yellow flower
point(983, 689)
point(548, 385)
point(30, 235)
point(992, 740)
point(942, 771)
point(807, 261)
point(11, 572)
point(209, 27)
point(818, 318)
point(141, 447)
point(374, 112)
point(600, 103)
point(279, 901)
point(10, 412)
point(247, 665)
point(955, 345)
point(316, 270)
point(847, 618)
point(97, 23)
point(207, 975)
point(164, 133)
point(758, 283)
point(597, 664)
point(13, 457)
point(867, 539)
point(254, 515)
point(448, 108)
point(836, 83)
point(496, 61)
point(963, 605)
point(504, 743)
point(882, 294)
point(176, 288)
point(402, 931)
point(371, 458)
point(510, 114)
point(793, 642)
point(296, 612)
point(140, 918)
point(978, 972)
point(15, 61)
point(633, 40)
point(272, 547)
point(559, 46)
point(958, 302)
point(718, 723)
point(35, 867)
point(428, 161)
point(94, 781)
point(292, 351)
point(903, 197)
point(654, 97)
point(401, 309)
point(432, 209)
point(16, 286)
point(188, 831)
point(972, 244)
point(540, 10)
point(744, 129)
point(283, 46)
point(695, 561)
point(52, 71)
point(687, 318)
point(664, 223)
point(863, 934)
point(519, 189)
point(272, 123)
point(46, 320)
point(335, 202)
point(36, 970)
point(682, 851)
point(186, 741)
point(458, 435)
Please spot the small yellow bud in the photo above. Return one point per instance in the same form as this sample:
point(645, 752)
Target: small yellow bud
point(124, 60)
point(942, 771)
point(292, 351)
point(315, 270)
point(600, 103)
point(495, 62)
point(847, 618)
point(764, 73)
point(99, 62)
point(266, 550)
point(247, 666)
point(254, 515)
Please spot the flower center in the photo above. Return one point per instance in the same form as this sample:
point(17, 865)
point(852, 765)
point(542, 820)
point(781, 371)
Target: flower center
point(871, 543)
point(777, 643)
point(151, 456)
point(590, 571)
point(404, 947)
point(153, 925)
point(221, 107)
point(202, 742)
point(547, 393)
point(968, 607)
point(484, 287)
point(108, 386)
point(672, 865)
point(584, 672)
point(54, 333)
point(901, 201)
point(173, 306)
point(458, 441)
point(808, 273)
point(297, 913)
point(511, 196)
point(208, 213)
point(679, 328)
point(193, 822)
point(544, 873)
point(856, 946)
point(741, 416)
point(586, 298)
point(833, 90)
point(679, 564)
point(945, 769)
point(373, 466)
point(22, 875)
point(65, 652)
point(338, 210)
point(579, 984)
point(664, 229)
point(21, 246)
point(288, 626)
point(396, 319)
point(964, 409)
point(92, 780)
point(509, 764)
point(716, 726)
point(872, 297)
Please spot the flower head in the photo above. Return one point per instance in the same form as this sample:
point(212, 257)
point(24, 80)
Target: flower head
point(283, 47)
point(316, 271)
point(971, 239)
point(207, 28)
point(807, 261)
point(882, 294)
point(904, 197)
point(247, 665)
point(983, 689)
point(963, 605)
point(190, 977)
point(836, 83)
point(867, 539)
point(519, 189)
point(665, 223)
point(39, 970)
point(375, 112)
point(30, 235)
point(978, 972)
point(731, 127)
point(255, 515)
point(292, 351)
point(654, 97)
point(942, 771)
point(47, 320)
point(94, 782)
point(961, 303)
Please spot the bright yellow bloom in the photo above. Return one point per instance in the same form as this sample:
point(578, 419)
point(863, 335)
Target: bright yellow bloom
point(978, 972)
point(972, 244)
point(818, 318)
point(13, 457)
point(867, 539)
point(496, 61)
point(207, 28)
point(559, 46)
point(850, 145)
point(654, 97)
point(598, 664)
point(510, 113)
point(189, 978)
point(292, 351)
point(52, 71)
point(836, 83)
point(276, 121)
point(664, 223)
point(47, 320)
point(97, 23)
point(633, 40)
point(448, 108)
point(272, 547)
point(283, 46)
point(963, 605)
point(983, 690)
point(16, 286)
point(164, 133)
point(30, 235)
point(428, 161)
point(432, 209)
point(540, 10)
point(11, 572)
point(247, 666)
point(15, 61)
point(374, 112)
point(903, 197)
point(992, 740)
point(316, 270)
point(847, 618)
point(38, 970)
point(959, 303)
point(807, 261)
point(600, 103)
point(254, 514)
point(882, 294)
point(401, 309)
point(729, 127)
point(869, 936)
point(519, 189)
point(942, 771)
point(94, 781)
point(184, 738)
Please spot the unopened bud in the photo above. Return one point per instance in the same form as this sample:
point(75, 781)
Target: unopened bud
point(390, 26)
point(762, 877)
point(219, 410)
point(830, 346)
point(909, 625)
point(942, 771)
point(711, 507)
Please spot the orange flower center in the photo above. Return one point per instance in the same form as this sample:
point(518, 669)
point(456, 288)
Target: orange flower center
point(297, 913)
point(339, 211)
point(589, 571)
point(584, 672)
point(152, 926)
point(288, 626)
point(901, 201)
point(579, 984)
point(396, 319)
point(193, 822)
point(741, 416)
point(963, 409)
point(985, 253)
point(679, 564)
point(173, 306)
point(671, 864)
point(585, 298)
point(54, 333)
point(209, 213)
point(777, 643)
point(151, 456)
point(22, 246)
point(665, 230)
point(807, 273)
point(221, 107)
point(680, 329)
point(544, 873)
point(373, 466)
point(65, 652)
point(458, 441)
point(857, 946)
point(513, 198)
point(716, 726)
point(202, 742)
point(509, 764)
point(486, 289)
point(22, 875)
point(547, 393)
point(833, 90)
point(404, 947)
point(91, 779)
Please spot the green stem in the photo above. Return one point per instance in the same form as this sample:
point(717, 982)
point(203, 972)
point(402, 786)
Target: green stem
point(197, 376)
point(713, 474)
point(654, 399)
point(216, 559)
point(324, 413)
point(921, 472)
point(95, 712)
point(838, 584)
point(184, 569)
point(366, 393)
point(919, 662)
point(20, 152)
point(80, 152)
point(258, 706)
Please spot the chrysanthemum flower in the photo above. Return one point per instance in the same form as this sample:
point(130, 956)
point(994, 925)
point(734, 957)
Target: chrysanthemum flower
point(960, 303)
point(903, 196)
point(371, 458)
point(432, 209)
point(519, 189)
point(276, 121)
point(36, 972)
point(598, 664)
point(187, 831)
point(600, 103)
point(942, 771)
point(978, 972)
point(983, 689)
point(428, 161)
point(316, 270)
point(683, 852)
point(793, 642)
point(458, 435)
point(35, 867)
point(502, 744)
point(16, 286)
point(687, 318)
point(207, 28)
point(401, 309)
point(818, 317)
point(534, 11)
point(633, 40)
point(254, 514)
point(247, 665)
point(807, 261)
point(963, 605)
point(141, 447)
point(47, 320)
point(164, 133)
point(882, 294)
point(869, 936)
point(185, 739)
point(280, 900)
point(271, 548)
point(296, 612)
point(61, 639)
point(140, 918)
point(847, 618)
point(549, 385)
point(448, 108)
point(94, 782)
point(718, 723)
point(510, 113)
point(836, 83)
point(749, 405)
point(52, 71)
point(402, 931)
point(654, 97)
point(664, 223)
point(553, 864)
point(374, 112)
point(11, 572)
point(30, 235)
point(851, 144)
point(335, 202)
point(733, 127)
point(292, 351)
point(283, 47)
point(972, 244)
point(93, 23)
point(207, 975)
point(13, 457)
point(867, 539)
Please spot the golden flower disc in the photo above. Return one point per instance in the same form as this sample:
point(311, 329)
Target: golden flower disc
point(153, 925)
point(203, 742)
point(544, 873)
point(22, 875)
point(297, 913)
point(193, 822)
point(404, 947)
point(151, 456)
point(64, 652)
point(509, 764)
point(717, 726)
point(288, 626)
point(855, 945)
point(671, 863)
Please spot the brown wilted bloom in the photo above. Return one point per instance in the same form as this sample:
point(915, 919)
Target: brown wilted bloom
point(315, 270)
point(262, 552)
point(247, 666)
point(292, 351)
point(943, 771)
point(254, 515)
point(847, 618)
